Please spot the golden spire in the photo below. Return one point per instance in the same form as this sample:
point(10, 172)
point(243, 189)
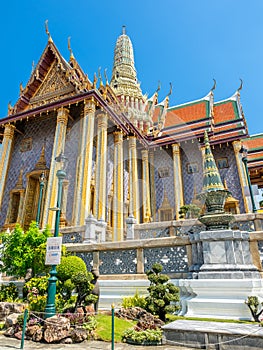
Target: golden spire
point(100, 77)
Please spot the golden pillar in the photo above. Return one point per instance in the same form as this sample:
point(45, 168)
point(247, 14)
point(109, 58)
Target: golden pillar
point(118, 188)
point(241, 172)
point(178, 182)
point(82, 199)
point(58, 147)
point(152, 185)
point(146, 205)
point(134, 208)
point(5, 157)
point(101, 168)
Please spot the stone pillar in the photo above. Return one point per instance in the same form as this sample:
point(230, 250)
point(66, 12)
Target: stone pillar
point(117, 224)
point(146, 187)
point(241, 173)
point(101, 168)
point(178, 183)
point(133, 180)
point(130, 222)
point(52, 185)
point(222, 254)
point(5, 156)
point(152, 185)
point(84, 169)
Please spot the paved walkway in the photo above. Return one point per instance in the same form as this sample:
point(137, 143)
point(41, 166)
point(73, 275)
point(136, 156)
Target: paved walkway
point(12, 343)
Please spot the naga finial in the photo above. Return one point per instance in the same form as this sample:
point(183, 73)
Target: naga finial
point(214, 86)
point(241, 85)
point(69, 47)
point(159, 87)
point(99, 76)
point(106, 77)
point(47, 31)
point(171, 90)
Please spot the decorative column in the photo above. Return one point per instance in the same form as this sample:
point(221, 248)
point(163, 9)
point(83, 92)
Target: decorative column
point(5, 156)
point(118, 188)
point(101, 168)
point(241, 173)
point(146, 206)
point(84, 169)
point(52, 186)
point(133, 177)
point(152, 185)
point(178, 183)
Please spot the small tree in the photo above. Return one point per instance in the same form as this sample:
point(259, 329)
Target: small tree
point(189, 211)
point(84, 287)
point(253, 304)
point(21, 251)
point(161, 293)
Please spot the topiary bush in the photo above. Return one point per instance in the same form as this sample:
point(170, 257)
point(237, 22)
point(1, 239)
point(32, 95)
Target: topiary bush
point(161, 293)
point(70, 265)
point(255, 307)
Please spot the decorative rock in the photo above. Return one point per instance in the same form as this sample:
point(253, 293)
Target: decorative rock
point(9, 332)
point(56, 328)
point(66, 341)
point(34, 332)
point(10, 308)
point(18, 335)
point(38, 335)
point(78, 335)
point(11, 320)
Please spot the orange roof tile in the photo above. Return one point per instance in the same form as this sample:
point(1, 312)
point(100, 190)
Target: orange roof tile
point(224, 112)
point(186, 113)
point(254, 142)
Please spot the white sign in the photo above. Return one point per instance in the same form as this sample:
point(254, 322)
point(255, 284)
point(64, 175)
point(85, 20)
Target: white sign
point(53, 252)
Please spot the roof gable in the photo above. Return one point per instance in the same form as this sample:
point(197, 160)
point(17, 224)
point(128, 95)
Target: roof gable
point(52, 79)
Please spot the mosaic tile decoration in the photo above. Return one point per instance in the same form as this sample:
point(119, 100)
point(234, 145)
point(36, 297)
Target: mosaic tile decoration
point(230, 174)
point(190, 153)
point(42, 131)
point(87, 257)
point(118, 262)
point(173, 259)
point(73, 237)
point(71, 152)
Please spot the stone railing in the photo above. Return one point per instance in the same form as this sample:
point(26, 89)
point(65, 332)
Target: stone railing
point(243, 222)
point(134, 257)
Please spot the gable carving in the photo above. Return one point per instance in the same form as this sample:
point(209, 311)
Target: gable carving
point(54, 87)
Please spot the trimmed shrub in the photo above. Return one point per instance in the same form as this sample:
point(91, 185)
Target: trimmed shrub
point(69, 266)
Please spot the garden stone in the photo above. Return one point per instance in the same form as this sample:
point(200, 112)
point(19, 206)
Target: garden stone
point(38, 335)
point(78, 335)
point(18, 335)
point(9, 308)
point(33, 332)
point(11, 320)
point(56, 328)
point(66, 341)
point(9, 332)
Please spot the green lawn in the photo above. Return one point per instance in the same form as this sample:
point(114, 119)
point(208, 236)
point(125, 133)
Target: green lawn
point(103, 331)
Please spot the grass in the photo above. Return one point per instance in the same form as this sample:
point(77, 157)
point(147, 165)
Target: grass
point(103, 331)
point(171, 318)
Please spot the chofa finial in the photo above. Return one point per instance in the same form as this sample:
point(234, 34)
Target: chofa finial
point(241, 85)
point(214, 86)
point(47, 31)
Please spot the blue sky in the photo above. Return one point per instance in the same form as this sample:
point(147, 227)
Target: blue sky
point(186, 42)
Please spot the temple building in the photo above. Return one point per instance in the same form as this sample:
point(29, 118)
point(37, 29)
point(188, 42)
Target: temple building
point(128, 154)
